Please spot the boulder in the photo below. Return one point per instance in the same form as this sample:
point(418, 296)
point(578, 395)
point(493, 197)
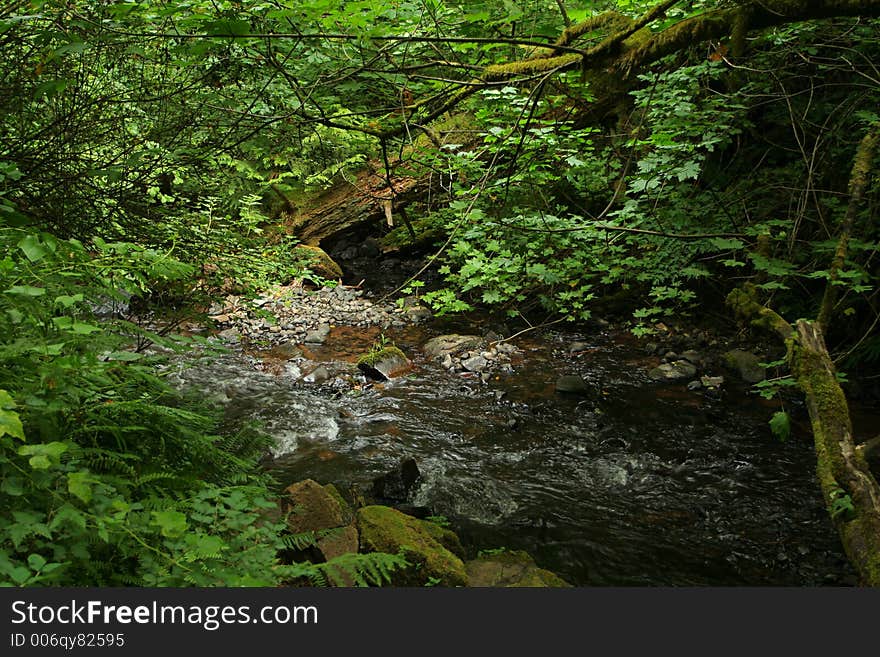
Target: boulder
point(383, 529)
point(572, 383)
point(319, 262)
point(448, 344)
point(746, 364)
point(395, 486)
point(675, 371)
point(338, 541)
point(510, 569)
point(312, 507)
point(384, 364)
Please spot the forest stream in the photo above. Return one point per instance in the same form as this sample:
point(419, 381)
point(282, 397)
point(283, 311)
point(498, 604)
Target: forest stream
point(634, 483)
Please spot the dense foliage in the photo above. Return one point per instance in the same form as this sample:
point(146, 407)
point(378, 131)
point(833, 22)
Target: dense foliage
point(157, 150)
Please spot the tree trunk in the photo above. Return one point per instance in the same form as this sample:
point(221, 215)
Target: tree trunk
point(851, 492)
point(346, 205)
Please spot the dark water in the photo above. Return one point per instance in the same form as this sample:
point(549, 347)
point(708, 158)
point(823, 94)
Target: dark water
point(638, 484)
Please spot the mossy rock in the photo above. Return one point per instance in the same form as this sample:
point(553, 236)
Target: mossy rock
point(313, 507)
point(385, 363)
point(512, 568)
point(445, 537)
point(383, 529)
point(747, 364)
point(319, 262)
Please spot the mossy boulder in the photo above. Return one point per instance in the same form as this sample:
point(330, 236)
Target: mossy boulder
point(319, 262)
point(312, 507)
point(385, 363)
point(746, 364)
point(383, 529)
point(445, 537)
point(510, 569)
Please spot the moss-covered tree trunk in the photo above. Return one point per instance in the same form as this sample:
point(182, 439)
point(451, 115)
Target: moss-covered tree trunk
point(851, 492)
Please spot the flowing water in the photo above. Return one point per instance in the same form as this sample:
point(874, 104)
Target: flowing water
point(637, 484)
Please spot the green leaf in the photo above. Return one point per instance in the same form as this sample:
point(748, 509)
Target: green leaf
point(36, 562)
point(32, 248)
point(26, 290)
point(80, 485)
point(69, 515)
point(10, 423)
point(124, 356)
point(780, 425)
point(66, 301)
point(171, 523)
point(43, 456)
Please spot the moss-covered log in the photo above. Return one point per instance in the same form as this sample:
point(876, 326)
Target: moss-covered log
point(631, 48)
point(851, 492)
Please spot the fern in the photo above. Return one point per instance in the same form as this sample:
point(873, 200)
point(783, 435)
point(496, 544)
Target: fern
point(353, 569)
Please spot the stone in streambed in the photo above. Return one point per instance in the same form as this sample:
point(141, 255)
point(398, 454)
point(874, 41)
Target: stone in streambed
point(396, 485)
point(384, 364)
point(746, 364)
point(675, 371)
point(448, 344)
point(318, 336)
point(474, 364)
point(572, 384)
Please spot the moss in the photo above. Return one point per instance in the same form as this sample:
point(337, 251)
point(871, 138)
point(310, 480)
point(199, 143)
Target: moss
point(319, 262)
point(383, 529)
point(511, 568)
point(445, 537)
point(378, 355)
point(532, 66)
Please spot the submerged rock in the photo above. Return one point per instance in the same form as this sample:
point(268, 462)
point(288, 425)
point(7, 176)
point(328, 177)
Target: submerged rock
point(383, 529)
point(319, 335)
point(573, 384)
point(746, 364)
point(510, 569)
point(675, 371)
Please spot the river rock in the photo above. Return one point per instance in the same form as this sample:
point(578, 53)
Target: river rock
point(317, 375)
point(510, 569)
point(339, 541)
point(313, 507)
point(675, 371)
point(384, 364)
point(746, 364)
point(418, 314)
point(383, 529)
point(448, 344)
point(318, 335)
point(396, 485)
point(572, 383)
point(712, 381)
point(474, 364)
